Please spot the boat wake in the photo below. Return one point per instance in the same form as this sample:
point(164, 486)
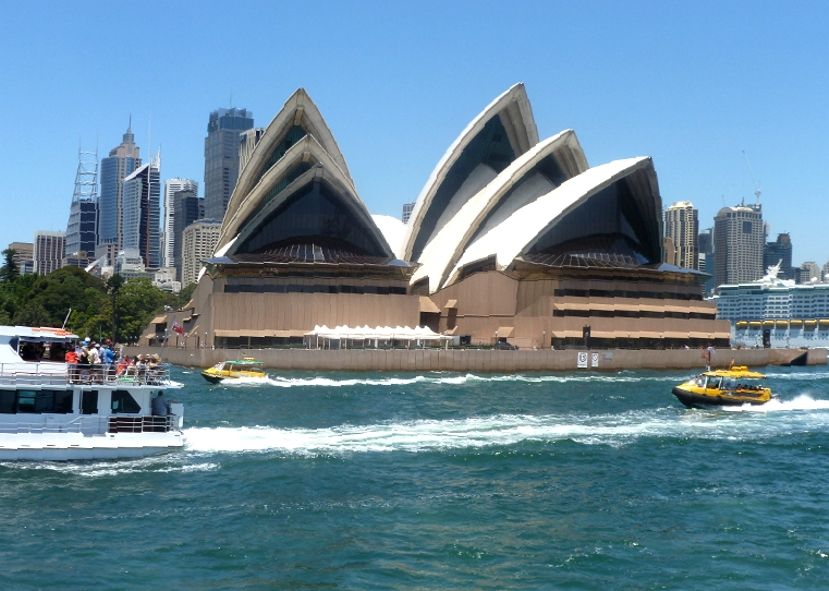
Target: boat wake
point(505, 430)
point(441, 379)
point(802, 403)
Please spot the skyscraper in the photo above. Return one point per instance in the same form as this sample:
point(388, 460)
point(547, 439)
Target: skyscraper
point(48, 251)
point(23, 256)
point(142, 213)
point(738, 244)
point(221, 157)
point(682, 227)
point(780, 251)
point(171, 187)
point(188, 209)
point(198, 244)
point(82, 227)
point(123, 160)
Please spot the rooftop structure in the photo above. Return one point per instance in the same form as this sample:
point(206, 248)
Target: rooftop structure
point(511, 239)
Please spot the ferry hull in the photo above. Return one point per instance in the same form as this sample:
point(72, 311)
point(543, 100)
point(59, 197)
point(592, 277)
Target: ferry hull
point(60, 447)
point(693, 400)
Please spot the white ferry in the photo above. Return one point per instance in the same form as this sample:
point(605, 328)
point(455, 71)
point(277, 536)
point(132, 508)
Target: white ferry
point(51, 410)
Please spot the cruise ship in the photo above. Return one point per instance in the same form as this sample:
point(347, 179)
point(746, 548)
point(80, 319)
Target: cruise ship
point(776, 313)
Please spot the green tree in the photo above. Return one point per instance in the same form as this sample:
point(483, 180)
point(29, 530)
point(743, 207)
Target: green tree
point(9, 270)
point(138, 300)
point(113, 288)
point(48, 299)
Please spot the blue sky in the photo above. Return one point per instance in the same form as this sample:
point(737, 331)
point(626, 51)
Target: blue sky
point(695, 85)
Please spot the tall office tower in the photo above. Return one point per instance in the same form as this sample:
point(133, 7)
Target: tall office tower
point(738, 244)
point(705, 242)
point(24, 256)
point(407, 211)
point(808, 272)
point(123, 160)
point(171, 187)
point(682, 227)
point(82, 227)
point(221, 157)
point(779, 251)
point(198, 244)
point(142, 213)
point(247, 142)
point(188, 209)
point(48, 251)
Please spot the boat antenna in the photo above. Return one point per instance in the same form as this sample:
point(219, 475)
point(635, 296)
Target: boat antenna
point(65, 320)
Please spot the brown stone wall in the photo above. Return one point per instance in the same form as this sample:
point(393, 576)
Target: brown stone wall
point(472, 360)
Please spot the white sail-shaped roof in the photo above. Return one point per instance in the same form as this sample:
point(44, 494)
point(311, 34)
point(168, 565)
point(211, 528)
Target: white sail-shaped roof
point(306, 152)
point(518, 184)
point(354, 223)
point(393, 230)
point(299, 116)
point(525, 227)
point(507, 125)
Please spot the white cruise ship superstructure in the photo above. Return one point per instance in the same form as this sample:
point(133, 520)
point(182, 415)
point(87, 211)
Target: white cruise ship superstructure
point(51, 410)
point(777, 313)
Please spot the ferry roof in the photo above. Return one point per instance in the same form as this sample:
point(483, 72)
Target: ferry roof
point(42, 332)
point(737, 371)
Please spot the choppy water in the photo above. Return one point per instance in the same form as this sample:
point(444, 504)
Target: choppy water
point(442, 481)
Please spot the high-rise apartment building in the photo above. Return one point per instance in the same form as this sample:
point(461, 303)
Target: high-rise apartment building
point(171, 187)
point(705, 242)
point(142, 213)
point(82, 227)
point(48, 251)
point(682, 227)
point(221, 157)
point(407, 211)
point(738, 244)
point(123, 160)
point(23, 256)
point(780, 251)
point(198, 244)
point(188, 209)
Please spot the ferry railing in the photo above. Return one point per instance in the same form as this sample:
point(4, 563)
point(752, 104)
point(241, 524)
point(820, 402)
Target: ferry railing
point(61, 374)
point(97, 425)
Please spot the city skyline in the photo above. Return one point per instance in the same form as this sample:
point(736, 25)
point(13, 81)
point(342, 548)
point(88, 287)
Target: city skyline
point(711, 106)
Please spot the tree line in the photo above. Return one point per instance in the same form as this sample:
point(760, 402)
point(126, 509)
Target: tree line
point(116, 308)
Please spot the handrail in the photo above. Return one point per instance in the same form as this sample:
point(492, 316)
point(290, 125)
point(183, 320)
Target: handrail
point(98, 425)
point(58, 374)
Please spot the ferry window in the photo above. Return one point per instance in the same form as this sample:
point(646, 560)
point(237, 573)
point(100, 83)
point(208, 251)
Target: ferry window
point(713, 383)
point(122, 401)
point(7, 399)
point(89, 402)
point(63, 401)
point(26, 401)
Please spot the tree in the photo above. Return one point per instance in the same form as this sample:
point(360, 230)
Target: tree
point(113, 287)
point(9, 270)
point(138, 300)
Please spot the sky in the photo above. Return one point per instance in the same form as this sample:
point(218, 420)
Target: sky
point(728, 97)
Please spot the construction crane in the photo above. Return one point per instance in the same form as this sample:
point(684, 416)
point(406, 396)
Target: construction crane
point(757, 190)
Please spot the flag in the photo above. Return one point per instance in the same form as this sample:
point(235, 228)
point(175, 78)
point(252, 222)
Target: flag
point(178, 328)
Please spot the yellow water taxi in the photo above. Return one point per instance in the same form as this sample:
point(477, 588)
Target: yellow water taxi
point(734, 386)
point(247, 367)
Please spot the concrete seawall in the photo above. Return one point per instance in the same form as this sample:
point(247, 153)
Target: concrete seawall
point(476, 360)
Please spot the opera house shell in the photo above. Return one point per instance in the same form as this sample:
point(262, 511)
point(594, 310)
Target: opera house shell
point(511, 240)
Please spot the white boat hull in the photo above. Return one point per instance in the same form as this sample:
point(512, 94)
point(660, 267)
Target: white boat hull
point(77, 446)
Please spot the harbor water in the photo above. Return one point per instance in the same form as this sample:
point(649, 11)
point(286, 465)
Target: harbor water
point(442, 481)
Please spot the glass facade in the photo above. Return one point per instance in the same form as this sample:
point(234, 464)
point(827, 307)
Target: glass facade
point(315, 214)
point(609, 222)
point(221, 157)
point(491, 148)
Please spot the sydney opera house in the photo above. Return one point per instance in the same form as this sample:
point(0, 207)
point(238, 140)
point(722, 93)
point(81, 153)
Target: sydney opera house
point(511, 240)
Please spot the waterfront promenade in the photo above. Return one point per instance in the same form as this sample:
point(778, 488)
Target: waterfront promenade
point(485, 360)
